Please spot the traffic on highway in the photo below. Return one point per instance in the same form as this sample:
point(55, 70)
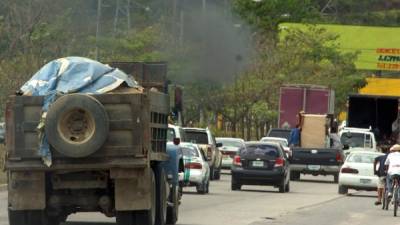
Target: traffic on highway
point(199, 112)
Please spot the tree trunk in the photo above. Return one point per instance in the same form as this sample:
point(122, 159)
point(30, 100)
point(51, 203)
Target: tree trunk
point(242, 128)
point(233, 128)
point(256, 126)
point(249, 122)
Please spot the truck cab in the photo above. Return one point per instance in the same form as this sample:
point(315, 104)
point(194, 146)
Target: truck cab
point(357, 139)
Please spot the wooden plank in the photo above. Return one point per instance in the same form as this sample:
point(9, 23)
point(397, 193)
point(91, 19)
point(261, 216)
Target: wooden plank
point(137, 124)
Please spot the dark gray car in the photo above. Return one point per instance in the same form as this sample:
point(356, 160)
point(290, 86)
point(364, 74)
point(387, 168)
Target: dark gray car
point(261, 163)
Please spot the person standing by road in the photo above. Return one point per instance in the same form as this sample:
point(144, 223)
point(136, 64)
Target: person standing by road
point(379, 170)
point(393, 164)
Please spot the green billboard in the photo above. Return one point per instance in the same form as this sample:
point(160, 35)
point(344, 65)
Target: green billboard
point(379, 47)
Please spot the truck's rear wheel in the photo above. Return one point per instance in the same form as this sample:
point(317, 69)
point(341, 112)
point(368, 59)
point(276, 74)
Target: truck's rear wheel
point(294, 175)
point(28, 217)
point(173, 211)
point(161, 196)
point(212, 171)
point(77, 125)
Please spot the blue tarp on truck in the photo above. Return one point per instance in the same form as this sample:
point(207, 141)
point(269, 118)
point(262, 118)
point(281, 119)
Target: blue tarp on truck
point(71, 75)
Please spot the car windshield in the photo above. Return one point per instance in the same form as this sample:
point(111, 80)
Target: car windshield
point(282, 142)
point(231, 143)
point(260, 150)
point(353, 140)
point(362, 158)
point(197, 137)
point(190, 152)
point(171, 134)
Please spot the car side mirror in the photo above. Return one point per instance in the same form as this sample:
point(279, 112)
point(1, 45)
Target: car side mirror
point(177, 141)
point(346, 147)
point(219, 145)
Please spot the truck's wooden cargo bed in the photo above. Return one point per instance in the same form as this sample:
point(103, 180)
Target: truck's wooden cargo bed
point(136, 119)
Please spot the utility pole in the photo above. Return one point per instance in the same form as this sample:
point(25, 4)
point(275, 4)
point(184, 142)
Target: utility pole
point(182, 27)
point(128, 13)
point(98, 28)
point(116, 17)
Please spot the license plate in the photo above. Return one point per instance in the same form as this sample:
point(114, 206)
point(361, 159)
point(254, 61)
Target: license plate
point(258, 163)
point(225, 156)
point(314, 167)
point(365, 181)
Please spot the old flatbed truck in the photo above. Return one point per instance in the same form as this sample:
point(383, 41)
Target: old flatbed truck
point(108, 155)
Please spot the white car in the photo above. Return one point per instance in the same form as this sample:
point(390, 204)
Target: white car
point(175, 134)
point(357, 172)
point(282, 141)
point(197, 171)
point(230, 146)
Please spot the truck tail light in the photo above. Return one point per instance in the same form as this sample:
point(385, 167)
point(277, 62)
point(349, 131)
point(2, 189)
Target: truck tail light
point(279, 162)
point(197, 166)
point(237, 161)
point(349, 170)
point(339, 157)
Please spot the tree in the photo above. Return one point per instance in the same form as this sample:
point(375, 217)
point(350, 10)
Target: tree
point(266, 15)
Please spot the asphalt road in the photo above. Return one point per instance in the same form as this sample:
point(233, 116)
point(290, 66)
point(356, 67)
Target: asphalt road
point(312, 201)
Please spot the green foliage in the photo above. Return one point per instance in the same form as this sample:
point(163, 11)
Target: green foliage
point(308, 56)
point(267, 14)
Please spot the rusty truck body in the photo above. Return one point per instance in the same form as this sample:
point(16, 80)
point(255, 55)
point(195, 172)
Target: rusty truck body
point(122, 176)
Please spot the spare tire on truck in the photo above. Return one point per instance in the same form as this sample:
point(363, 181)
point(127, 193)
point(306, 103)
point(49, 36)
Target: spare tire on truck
point(77, 125)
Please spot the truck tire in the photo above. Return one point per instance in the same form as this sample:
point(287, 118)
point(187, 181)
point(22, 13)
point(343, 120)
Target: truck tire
point(217, 175)
point(287, 188)
point(161, 195)
point(218, 172)
point(212, 171)
point(282, 186)
point(76, 125)
point(173, 211)
point(27, 217)
point(294, 176)
point(142, 217)
point(208, 187)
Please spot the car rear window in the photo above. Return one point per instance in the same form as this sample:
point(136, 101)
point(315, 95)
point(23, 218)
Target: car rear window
point(362, 158)
point(282, 142)
point(230, 143)
point(261, 150)
point(197, 137)
point(190, 152)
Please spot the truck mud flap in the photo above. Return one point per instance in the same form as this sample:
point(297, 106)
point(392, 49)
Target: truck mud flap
point(132, 189)
point(26, 190)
